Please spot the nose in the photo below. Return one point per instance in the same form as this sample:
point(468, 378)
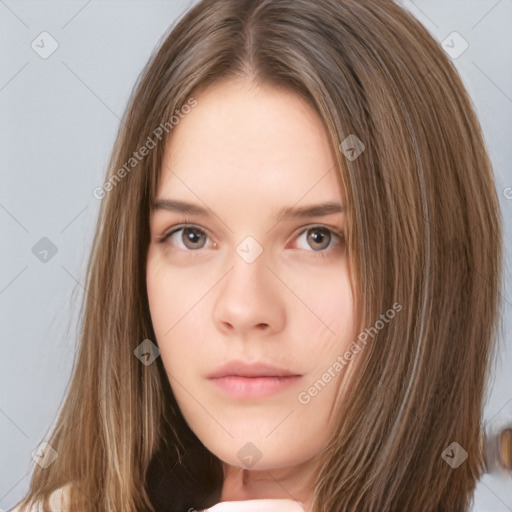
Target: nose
point(249, 299)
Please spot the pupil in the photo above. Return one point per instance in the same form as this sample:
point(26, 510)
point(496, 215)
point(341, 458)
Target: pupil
point(319, 234)
point(191, 237)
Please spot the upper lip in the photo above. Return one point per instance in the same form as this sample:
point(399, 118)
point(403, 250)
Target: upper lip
point(243, 369)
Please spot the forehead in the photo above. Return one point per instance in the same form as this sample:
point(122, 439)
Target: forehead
point(247, 142)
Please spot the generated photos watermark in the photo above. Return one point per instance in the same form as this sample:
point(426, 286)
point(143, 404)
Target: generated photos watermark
point(304, 397)
point(144, 150)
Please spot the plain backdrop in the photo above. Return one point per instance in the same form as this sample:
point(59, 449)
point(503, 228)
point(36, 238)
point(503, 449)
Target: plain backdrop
point(59, 118)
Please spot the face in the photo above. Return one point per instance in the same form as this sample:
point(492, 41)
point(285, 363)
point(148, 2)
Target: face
point(241, 268)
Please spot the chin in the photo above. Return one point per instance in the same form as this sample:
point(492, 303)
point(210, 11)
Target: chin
point(257, 455)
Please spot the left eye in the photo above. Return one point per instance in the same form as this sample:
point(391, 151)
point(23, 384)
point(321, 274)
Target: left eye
point(319, 237)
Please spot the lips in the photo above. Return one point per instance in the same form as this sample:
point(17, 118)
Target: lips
point(251, 370)
point(240, 380)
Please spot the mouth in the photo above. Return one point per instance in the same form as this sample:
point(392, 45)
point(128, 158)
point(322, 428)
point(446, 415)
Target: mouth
point(245, 380)
point(253, 387)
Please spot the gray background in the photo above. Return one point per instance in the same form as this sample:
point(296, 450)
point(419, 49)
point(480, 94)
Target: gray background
point(60, 116)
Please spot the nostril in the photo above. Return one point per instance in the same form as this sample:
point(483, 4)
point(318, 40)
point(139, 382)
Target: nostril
point(228, 326)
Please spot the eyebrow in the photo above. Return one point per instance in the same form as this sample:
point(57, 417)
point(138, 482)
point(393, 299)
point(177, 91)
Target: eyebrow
point(285, 213)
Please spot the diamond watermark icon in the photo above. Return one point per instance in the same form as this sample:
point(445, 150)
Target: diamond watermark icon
point(147, 352)
point(455, 45)
point(44, 45)
point(454, 455)
point(249, 249)
point(352, 147)
point(44, 455)
point(249, 455)
point(44, 250)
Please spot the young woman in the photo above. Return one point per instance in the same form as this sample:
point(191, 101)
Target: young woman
point(293, 291)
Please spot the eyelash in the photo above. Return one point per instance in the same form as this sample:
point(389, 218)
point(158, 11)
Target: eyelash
point(175, 229)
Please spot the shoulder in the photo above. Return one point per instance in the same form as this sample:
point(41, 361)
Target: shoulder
point(59, 502)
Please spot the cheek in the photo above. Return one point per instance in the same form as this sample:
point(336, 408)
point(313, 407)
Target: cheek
point(326, 313)
point(162, 300)
point(175, 304)
point(171, 293)
point(166, 299)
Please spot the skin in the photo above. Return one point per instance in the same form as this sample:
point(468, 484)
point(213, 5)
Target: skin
point(244, 152)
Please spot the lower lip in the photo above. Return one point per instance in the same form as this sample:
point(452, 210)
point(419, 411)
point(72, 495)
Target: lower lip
point(250, 387)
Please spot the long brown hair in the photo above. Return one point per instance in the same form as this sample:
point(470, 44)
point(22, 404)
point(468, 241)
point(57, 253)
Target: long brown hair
point(425, 231)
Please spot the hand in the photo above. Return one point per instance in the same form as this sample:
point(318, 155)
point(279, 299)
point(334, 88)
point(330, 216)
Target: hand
point(257, 506)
